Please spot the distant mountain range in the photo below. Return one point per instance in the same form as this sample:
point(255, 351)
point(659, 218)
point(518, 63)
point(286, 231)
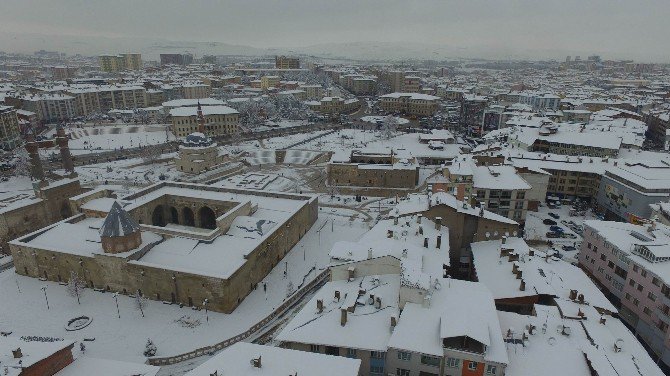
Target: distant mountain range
point(378, 51)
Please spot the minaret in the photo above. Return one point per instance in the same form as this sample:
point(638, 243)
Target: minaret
point(62, 142)
point(201, 120)
point(36, 170)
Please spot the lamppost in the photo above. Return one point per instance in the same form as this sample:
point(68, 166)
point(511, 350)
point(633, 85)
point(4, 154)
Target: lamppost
point(204, 303)
point(116, 299)
point(44, 288)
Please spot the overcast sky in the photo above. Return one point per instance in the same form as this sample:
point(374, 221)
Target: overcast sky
point(634, 27)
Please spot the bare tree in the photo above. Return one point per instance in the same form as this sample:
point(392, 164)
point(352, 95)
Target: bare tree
point(75, 286)
point(21, 162)
point(389, 125)
point(140, 302)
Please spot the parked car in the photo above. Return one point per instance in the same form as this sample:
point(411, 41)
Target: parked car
point(554, 215)
point(549, 222)
point(557, 229)
point(552, 235)
point(569, 248)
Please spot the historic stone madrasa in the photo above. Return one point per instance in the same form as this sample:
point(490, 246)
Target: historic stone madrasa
point(176, 242)
point(50, 202)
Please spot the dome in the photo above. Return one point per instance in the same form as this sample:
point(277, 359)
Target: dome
point(118, 223)
point(197, 139)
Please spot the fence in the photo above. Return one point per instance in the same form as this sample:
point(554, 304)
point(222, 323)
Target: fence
point(207, 350)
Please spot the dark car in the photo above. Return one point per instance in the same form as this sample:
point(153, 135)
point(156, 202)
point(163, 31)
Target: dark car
point(552, 235)
point(569, 248)
point(557, 229)
point(554, 215)
point(549, 222)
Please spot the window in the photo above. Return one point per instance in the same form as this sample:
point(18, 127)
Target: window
point(627, 296)
point(647, 311)
point(631, 283)
point(314, 348)
point(655, 281)
point(402, 372)
point(635, 268)
point(640, 287)
point(472, 366)
point(404, 356)
point(376, 369)
point(643, 273)
point(453, 362)
point(351, 353)
point(588, 245)
point(490, 370)
point(377, 354)
point(430, 360)
point(603, 257)
point(636, 302)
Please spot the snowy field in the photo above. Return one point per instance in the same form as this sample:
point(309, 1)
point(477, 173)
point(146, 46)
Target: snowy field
point(285, 141)
point(95, 139)
point(257, 181)
point(24, 311)
point(128, 171)
point(377, 119)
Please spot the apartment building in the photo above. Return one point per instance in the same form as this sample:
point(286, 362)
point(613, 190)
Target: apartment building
point(195, 91)
point(373, 169)
point(413, 104)
point(287, 62)
point(359, 84)
point(659, 124)
point(334, 106)
point(551, 138)
point(630, 263)
point(472, 113)
point(219, 120)
point(628, 187)
point(176, 59)
point(117, 63)
point(10, 134)
point(269, 82)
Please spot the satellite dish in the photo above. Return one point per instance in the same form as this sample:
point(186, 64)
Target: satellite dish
point(488, 234)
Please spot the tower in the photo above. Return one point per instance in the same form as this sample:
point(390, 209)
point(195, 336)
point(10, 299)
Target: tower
point(62, 142)
point(36, 170)
point(201, 120)
point(119, 232)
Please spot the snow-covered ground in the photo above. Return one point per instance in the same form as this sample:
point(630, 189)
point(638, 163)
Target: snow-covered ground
point(257, 181)
point(377, 119)
point(128, 171)
point(103, 138)
point(24, 312)
point(285, 141)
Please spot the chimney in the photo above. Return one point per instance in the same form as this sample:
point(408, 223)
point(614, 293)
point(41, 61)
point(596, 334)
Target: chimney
point(389, 234)
point(531, 252)
point(394, 322)
point(573, 294)
point(580, 313)
point(17, 353)
point(256, 362)
point(319, 305)
point(378, 302)
point(425, 242)
point(438, 223)
point(371, 300)
point(395, 220)
point(580, 297)
point(515, 268)
point(426, 301)
point(439, 241)
point(519, 274)
point(418, 218)
point(337, 295)
point(351, 270)
point(369, 253)
point(603, 320)
point(343, 316)
point(504, 239)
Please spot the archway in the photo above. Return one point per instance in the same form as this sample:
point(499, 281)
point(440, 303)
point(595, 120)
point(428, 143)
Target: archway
point(188, 217)
point(157, 218)
point(207, 218)
point(174, 215)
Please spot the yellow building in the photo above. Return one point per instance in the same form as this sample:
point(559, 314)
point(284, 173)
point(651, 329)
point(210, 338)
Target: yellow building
point(117, 63)
point(219, 120)
point(269, 81)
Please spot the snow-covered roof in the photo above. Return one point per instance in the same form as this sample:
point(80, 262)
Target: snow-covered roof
point(118, 223)
point(274, 361)
point(413, 96)
point(206, 110)
point(32, 352)
point(85, 366)
point(418, 203)
point(367, 328)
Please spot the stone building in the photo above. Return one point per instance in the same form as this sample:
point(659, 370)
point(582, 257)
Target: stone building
point(414, 104)
point(49, 203)
point(176, 242)
point(334, 106)
point(219, 120)
point(373, 168)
